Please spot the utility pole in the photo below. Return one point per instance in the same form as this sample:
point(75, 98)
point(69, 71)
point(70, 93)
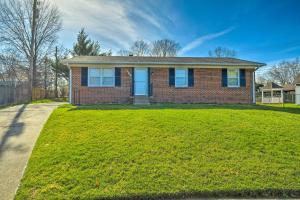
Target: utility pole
point(32, 67)
point(45, 77)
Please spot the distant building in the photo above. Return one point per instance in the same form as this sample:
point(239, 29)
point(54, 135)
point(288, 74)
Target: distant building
point(298, 90)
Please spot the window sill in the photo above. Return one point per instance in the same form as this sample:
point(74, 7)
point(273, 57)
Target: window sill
point(233, 86)
point(185, 87)
point(101, 86)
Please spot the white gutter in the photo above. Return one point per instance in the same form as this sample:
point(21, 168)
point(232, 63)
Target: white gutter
point(164, 63)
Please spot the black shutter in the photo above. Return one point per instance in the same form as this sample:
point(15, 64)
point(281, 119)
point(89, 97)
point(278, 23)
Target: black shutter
point(191, 77)
point(242, 77)
point(132, 81)
point(149, 82)
point(84, 76)
point(171, 76)
point(117, 76)
point(224, 77)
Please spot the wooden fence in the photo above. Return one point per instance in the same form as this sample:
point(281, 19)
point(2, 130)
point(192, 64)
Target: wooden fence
point(17, 93)
point(14, 93)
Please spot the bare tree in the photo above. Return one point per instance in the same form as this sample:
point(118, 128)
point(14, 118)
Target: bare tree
point(285, 72)
point(164, 48)
point(140, 48)
point(11, 69)
point(222, 52)
point(124, 52)
point(261, 79)
point(29, 29)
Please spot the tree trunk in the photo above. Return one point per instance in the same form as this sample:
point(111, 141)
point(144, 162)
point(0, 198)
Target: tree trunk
point(32, 50)
point(56, 73)
point(45, 79)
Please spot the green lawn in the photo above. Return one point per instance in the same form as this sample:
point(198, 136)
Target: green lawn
point(49, 100)
point(117, 151)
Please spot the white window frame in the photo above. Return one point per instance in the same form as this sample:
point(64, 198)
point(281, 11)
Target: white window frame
point(238, 77)
point(186, 77)
point(101, 76)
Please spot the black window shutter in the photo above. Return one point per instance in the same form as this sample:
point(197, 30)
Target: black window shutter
point(84, 76)
point(224, 77)
point(117, 76)
point(149, 82)
point(242, 77)
point(171, 76)
point(191, 77)
point(132, 81)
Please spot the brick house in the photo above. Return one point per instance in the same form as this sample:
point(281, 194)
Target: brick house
point(132, 79)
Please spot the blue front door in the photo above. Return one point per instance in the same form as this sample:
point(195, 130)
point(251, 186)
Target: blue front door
point(141, 81)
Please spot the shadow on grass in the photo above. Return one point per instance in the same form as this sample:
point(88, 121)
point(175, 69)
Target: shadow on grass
point(264, 193)
point(293, 110)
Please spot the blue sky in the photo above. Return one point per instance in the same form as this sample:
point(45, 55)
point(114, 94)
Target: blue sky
point(266, 31)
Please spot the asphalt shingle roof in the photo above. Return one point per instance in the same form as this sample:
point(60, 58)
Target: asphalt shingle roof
point(271, 85)
point(288, 87)
point(160, 60)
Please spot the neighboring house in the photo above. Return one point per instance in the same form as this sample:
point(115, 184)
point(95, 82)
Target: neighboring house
point(298, 90)
point(288, 89)
point(289, 93)
point(128, 79)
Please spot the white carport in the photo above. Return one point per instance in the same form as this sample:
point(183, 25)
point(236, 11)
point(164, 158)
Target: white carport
point(272, 93)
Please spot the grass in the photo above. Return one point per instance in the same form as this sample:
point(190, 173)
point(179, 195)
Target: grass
point(166, 151)
point(36, 102)
point(48, 100)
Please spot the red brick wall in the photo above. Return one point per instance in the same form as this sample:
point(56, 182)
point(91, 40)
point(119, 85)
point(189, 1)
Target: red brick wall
point(96, 95)
point(207, 89)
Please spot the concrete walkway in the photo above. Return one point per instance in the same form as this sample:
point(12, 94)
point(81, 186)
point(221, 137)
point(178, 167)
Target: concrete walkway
point(19, 128)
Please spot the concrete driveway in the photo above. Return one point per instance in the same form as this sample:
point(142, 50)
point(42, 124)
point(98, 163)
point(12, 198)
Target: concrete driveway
point(19, 128)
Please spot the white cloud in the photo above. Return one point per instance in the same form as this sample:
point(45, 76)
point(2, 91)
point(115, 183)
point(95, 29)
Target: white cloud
point(289, 49)
point(200, 40)
point(116, 24)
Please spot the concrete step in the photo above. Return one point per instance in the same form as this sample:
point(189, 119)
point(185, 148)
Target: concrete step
point(141, 100)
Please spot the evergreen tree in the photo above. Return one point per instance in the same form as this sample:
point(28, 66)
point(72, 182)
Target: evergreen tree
point(86, 47)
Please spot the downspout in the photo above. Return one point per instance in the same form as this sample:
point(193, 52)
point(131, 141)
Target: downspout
point(253, 86)
point(70, 84)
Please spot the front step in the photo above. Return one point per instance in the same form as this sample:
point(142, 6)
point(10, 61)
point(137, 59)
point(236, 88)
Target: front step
point(141, 100)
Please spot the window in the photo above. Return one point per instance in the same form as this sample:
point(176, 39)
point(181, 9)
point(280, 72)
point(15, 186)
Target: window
point(94, 77)
point(108, 77)
point(101, 77)
point(181, 78)
point(233, 77)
